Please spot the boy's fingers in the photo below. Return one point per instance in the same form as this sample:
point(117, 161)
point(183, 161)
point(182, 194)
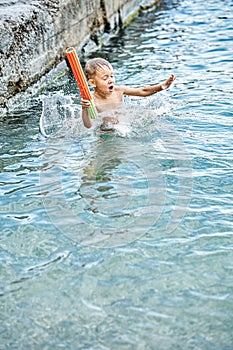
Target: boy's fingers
point(85, 103)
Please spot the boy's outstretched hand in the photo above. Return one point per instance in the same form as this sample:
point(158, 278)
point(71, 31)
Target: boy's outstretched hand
point(168, 82)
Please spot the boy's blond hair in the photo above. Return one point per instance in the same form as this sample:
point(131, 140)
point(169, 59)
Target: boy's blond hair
point(94, 64)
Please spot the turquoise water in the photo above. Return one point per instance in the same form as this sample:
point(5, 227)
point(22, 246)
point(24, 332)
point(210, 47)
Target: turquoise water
point(125, 241)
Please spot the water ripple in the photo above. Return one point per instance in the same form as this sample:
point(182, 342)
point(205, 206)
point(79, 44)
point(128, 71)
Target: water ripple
point(159, 194)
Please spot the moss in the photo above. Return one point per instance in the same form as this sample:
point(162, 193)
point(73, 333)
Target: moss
point(144, 6)
point(131, 17)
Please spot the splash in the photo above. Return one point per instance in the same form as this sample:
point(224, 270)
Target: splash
point(60, 115)
point(139, 117)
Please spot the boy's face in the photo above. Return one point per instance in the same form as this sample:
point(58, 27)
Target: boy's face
point(104, 80)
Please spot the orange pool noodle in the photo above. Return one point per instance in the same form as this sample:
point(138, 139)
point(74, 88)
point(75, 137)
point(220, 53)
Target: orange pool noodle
point(80, 79)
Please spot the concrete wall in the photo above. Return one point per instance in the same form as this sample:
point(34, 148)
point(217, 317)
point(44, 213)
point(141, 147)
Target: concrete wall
point(35, 33)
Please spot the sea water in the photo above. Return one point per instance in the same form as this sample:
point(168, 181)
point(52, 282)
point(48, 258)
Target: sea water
point(124, 240)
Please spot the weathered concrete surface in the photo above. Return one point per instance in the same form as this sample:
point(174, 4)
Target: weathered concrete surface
point(35, 33)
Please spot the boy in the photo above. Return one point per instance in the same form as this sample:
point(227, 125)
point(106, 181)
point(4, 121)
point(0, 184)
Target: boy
point(107, 97)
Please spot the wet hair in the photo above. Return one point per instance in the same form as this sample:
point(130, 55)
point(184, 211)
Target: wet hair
point(94, 64)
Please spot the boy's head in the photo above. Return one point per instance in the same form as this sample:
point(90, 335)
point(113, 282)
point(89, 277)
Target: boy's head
point(94, 64)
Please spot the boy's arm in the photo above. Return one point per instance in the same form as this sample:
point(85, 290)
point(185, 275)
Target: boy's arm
point(148, 90)
point(87, 121)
